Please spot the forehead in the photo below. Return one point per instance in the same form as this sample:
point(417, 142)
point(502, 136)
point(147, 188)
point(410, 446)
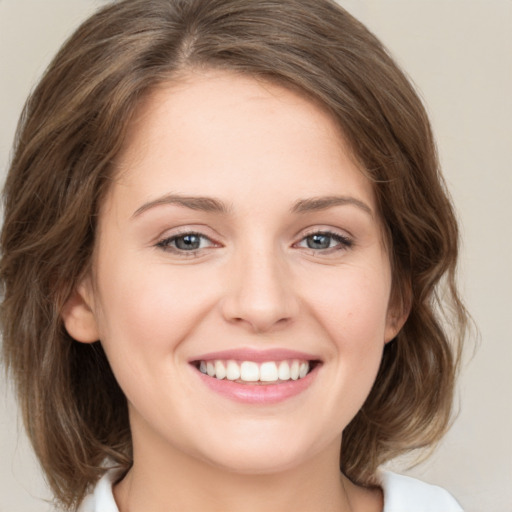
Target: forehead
point(209, 129)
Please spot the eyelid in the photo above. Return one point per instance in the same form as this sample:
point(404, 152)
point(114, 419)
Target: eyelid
point(187, 229)
point(345, 240)
point(163, 242)
point(320, 227)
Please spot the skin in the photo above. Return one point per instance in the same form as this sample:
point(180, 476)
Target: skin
point(257, 149)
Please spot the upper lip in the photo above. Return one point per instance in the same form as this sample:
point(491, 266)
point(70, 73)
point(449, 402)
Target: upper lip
point(256, 355)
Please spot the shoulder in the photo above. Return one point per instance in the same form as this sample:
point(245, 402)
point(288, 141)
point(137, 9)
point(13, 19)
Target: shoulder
point(102, 498)
point(403, 494)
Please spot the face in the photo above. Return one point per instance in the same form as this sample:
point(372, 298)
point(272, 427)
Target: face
point(240, 283)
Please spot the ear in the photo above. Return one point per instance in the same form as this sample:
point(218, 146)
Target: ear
point(78, 314)
point(394, 324)
point(398, 312)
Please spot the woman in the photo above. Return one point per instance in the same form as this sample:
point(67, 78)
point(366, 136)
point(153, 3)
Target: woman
point(224, 233)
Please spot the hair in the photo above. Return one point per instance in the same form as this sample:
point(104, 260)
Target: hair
point(73, 127)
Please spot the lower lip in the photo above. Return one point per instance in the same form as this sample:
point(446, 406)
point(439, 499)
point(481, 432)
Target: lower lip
point(258, 393)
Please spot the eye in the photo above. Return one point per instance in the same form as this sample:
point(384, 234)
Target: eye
point(186, 242)
point(324, 240)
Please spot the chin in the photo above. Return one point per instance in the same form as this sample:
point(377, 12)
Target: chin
point(261, 455)
point(256, 463)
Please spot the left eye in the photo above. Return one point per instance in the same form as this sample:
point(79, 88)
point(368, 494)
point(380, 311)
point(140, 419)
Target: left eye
point(186, 242)
point(322, 241)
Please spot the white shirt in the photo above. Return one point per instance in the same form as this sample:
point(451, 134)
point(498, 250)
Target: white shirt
point(401, 494)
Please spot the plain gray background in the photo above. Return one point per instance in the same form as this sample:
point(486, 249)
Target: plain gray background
point(459, 54)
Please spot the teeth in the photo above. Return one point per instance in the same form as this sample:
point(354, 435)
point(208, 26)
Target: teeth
point(220, 370)
point(268, 372)
point(233, 371)
point(210, 369)
point(250, 371)
point(294, 370)
point(284, 370)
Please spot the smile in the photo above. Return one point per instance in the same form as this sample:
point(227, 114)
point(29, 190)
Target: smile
point(257, 377)
point(254, 372)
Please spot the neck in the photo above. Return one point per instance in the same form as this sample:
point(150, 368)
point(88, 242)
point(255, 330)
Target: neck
point(180, 482)
point(166, 479)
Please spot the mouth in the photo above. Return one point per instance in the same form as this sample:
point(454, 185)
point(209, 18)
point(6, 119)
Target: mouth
point(257, 377)
point(256, 372)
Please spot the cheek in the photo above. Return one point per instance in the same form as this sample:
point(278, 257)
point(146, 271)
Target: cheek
point(150, 307)
point(353, 311)
point(145, 314)
point(353, 303)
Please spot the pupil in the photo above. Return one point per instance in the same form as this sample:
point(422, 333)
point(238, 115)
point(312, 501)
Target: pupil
point(188, 242)
point(319, 241)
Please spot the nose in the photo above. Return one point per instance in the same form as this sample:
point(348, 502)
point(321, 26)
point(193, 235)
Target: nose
point(260, 292)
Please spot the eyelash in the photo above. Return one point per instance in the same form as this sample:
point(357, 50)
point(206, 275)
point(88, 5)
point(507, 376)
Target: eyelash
point(343, 243)
point(165, 244)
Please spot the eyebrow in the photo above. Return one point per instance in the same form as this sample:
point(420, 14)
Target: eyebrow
point(211, 205)
point(323, 203)
point(205, 204)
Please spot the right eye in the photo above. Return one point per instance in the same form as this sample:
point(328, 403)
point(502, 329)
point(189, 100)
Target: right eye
point(189, 243)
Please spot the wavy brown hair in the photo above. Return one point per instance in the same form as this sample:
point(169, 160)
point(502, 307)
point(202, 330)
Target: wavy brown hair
point(71, 130)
